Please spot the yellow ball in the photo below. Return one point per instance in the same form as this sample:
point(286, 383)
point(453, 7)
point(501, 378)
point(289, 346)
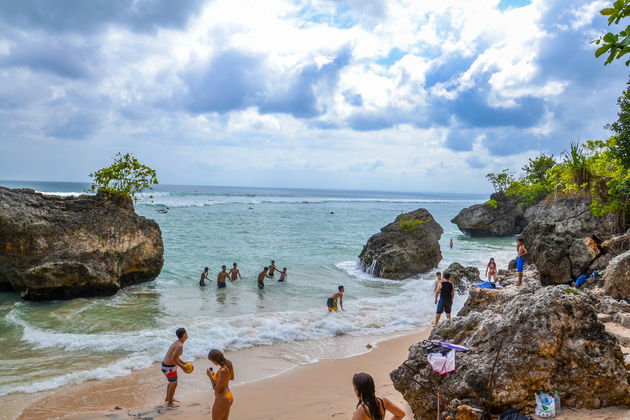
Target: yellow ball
point(188, 368)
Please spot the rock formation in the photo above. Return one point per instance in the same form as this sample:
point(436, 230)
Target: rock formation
point(617, 276)
point(404, 248)
point(542, 338)
point(486, 220)
point(462, 277)
point(60, 248)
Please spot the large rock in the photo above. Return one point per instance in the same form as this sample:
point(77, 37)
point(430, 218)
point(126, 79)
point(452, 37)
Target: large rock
point(563, 239)
point(617, 276)
point(542, 339)
point(462, 277)
point(485, 220)
point(408, 246)
point(59, 248)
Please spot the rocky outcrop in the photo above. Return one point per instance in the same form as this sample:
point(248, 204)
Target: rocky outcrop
point(487, 220)
point(564, 238)
point(60, 248)
point(617, 276)
point(404, 248)
point(462, 277)
point(524, 340)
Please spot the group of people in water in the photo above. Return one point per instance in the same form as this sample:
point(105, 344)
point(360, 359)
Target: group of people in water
point(369, 406)
point(235, 274)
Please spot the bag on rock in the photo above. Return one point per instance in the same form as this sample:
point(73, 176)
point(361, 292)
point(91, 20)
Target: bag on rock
point(514, 415)
point(545, 405)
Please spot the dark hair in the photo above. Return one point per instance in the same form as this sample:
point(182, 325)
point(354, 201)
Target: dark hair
point(519, 239)
point(223, 266)
point(234, 264)
point(216, 356)
point(284, 268)
point(273, 262)
point(205, 269)
point(180, 332)
point(491, 261)
point(266, 268)
point(339, 288)
point(439, 273)
point(447, 276)
point(364, 384)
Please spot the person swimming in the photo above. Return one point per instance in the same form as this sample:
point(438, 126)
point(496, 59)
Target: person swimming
point(283, 275)
point(220, 379)
point(204, 276)
point(261, 278)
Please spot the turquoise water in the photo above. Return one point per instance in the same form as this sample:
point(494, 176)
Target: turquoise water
point(316, 234)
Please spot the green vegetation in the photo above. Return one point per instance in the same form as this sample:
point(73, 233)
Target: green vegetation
point(616, 45)
point(492, 203)
point(126, 176)
point(501, 181)
point(409, 225)
point(621, 129)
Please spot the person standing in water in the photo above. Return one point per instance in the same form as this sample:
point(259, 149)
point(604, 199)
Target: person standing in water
point(220, 379)
point(170, 363)
point(491, 270)
point(520, 259)
point(446, 292)
point(450, 244)
point(204, 276)
point(261, 278)
point(272, 269)
point(438, 280)
point(332, 301)
point(235, 273)
point(371, 407)
point(223, 274)
point(283, 275)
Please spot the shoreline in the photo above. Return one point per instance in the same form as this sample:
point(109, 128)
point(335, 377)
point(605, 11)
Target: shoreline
point(143, 390)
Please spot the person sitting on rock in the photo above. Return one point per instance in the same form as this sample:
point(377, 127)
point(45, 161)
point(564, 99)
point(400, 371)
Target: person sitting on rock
point(446, 292)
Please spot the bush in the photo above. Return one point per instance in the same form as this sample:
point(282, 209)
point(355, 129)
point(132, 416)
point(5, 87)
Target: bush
point(409, 225)
point(492, 203)
point(126, 176)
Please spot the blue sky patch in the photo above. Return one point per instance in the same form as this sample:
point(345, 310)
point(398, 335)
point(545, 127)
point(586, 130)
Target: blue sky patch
point(512, 4)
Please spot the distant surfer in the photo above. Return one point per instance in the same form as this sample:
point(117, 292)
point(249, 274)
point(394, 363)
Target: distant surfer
point(204, 276)
point(261, 278)
point(520, 259)
point(446, 292)
point(332, 301)
point(170, 363)
point(223, 274)
point(283, 274)
point(235, 273)
point(272, 269)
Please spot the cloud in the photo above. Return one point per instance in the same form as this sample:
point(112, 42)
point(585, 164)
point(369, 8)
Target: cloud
point(89, 16)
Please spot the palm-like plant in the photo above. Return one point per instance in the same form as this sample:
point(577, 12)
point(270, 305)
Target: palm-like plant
point(576, 162)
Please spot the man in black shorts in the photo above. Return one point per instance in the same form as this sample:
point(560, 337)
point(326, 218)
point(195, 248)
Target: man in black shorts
point(446, 292)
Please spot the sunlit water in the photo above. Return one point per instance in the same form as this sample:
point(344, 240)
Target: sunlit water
point(317, 235)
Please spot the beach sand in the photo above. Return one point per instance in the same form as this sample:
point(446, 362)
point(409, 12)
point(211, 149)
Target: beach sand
point(321, 390)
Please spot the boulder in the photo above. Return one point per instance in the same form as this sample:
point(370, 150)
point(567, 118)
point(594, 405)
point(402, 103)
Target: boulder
point(462, 277)
point(571, 215)
point(486, 220)
point(408, 246)
point(617, 276)
point(64, 247)
point(524, 340)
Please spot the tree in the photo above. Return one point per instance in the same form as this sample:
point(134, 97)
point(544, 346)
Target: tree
point(617, 45)
point(500, 181)
point(536, 168)
point(126, 176)
point(621, 129)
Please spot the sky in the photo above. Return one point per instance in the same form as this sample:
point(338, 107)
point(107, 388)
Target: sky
point(397, 95)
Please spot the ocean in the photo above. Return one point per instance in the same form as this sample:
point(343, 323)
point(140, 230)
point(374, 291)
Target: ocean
point(316, 234)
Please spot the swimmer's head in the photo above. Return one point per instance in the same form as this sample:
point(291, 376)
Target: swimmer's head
point(438, 274)
point(234, 265)
point(340, 288)
point(273, 262)
point(266, 268)
point(223, 267)
point(180, 332)
point(205, 269)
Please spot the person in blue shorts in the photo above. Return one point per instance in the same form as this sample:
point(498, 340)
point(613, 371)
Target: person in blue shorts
point(446, 292)
point(520, 259)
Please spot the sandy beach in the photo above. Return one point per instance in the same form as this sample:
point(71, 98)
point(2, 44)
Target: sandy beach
point(320, 390)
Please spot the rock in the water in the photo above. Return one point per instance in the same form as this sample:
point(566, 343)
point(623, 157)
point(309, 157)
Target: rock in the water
point(617, 276)
point(542, 338)
point(64, 247)
point(404, 248)
point(486, 220)
point(462, 277)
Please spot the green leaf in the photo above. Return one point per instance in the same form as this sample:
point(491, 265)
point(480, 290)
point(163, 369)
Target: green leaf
point(602, 50)
point(610, 38)
point(607, 11)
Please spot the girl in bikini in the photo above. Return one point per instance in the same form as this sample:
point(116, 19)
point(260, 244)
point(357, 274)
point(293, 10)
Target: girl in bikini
point(491, 270)
point(222, 395)
point(370, 407)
